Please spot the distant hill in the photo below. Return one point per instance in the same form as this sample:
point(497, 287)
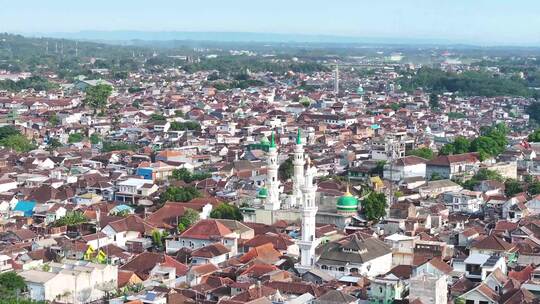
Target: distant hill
point(233, 37)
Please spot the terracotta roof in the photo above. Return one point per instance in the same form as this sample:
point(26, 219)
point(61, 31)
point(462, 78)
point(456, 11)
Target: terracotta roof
point(210, 251)
point(279, 241)
point(143, 263)
point(440, 265)
point(523, 275)
point(446, 160)
point(207, 230)
point(265, 253)
point(493, 242)
point(258, 270)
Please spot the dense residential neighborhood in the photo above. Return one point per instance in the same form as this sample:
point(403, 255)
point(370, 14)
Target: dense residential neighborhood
point(172, 184)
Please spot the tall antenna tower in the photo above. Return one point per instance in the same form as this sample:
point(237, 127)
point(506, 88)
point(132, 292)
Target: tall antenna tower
point(76, 48)
point(336, 80)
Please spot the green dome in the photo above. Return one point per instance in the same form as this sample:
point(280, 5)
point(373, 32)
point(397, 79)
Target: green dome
point(347, 203)
point(264, 141)
point(263, 193)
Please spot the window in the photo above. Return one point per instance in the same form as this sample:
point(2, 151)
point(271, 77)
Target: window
point(324, 267)
point(469, 302)
point(342, 269)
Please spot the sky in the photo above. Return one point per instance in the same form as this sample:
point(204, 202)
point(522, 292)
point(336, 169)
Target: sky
point(505, 22)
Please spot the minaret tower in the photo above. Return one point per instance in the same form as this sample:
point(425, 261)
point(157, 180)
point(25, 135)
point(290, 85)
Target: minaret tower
point(298, 177)
point(272, 181)
point(309, 242)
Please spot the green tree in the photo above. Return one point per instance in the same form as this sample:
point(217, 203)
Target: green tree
point(286, 169)
point(458, 146)
point(75, 138)
point(188, 125)
point(486, 174)
point(534, 188)
point(53, 144)
point(379, 168)
point(109, 146)
point(179, 194)
point(95, 138)
point(72, 218)
point(54, 120)
point(7, 131)
point(459, 300)
point(374, 206)
point(18, 143)
point(424, 152)
point(434, 101)
point(11, 286)
point(512, 187)
point(226, 211)
point(485, 146)
point(97, 96)
point(534, 136)
point(534, 111)
point(185, 175)
point(158, 238)
point(157, 117)
point(189, 218)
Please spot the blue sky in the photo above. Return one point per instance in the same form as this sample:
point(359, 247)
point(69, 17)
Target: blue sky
point(470, 21)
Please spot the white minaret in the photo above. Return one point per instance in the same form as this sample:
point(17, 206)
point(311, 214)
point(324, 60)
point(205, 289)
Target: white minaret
point(298, 178)
point(309, 242)
point(272, 182)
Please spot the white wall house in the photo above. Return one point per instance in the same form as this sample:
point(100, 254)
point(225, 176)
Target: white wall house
point(71, 282)
point(406, 167)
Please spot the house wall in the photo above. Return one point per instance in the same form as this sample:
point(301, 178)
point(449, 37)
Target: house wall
point(476, 297)
point(428, 289)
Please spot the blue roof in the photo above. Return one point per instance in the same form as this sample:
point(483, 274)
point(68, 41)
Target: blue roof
point(121, 208)
point(27, 207)
point(375, 126)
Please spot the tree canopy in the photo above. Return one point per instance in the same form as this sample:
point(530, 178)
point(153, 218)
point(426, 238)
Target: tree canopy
point(185, 175)
point(17, 142)
point(491, 143)
point(286, 169)
point(189, 218)
point(72, 218)
point(188, 125)
point(374, 206)
point(469, 83)
point(97, 96)
point(179, 194)
point(426, 153)
point(226, 211)
point(534, 136)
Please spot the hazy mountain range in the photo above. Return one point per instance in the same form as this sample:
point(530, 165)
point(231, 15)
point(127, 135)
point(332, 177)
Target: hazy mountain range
point(234, 37)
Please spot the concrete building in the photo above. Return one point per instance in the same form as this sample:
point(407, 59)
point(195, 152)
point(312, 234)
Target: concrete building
point(71, 282)
point(428, 289)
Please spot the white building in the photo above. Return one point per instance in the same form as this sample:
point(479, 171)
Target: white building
point(356, 254)
point(405, 167)
point(71, 282)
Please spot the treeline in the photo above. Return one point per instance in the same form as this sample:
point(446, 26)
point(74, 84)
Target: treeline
point(233, 65)
point(491, 143)
point(467, 83)
point(35, 82)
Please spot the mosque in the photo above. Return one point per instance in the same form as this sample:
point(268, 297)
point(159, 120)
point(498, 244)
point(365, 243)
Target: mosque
point(304, 204)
